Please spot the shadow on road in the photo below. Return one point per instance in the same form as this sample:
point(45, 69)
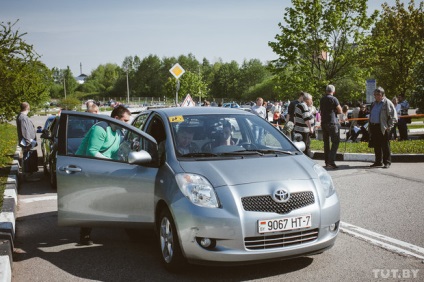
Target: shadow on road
point(114, 257)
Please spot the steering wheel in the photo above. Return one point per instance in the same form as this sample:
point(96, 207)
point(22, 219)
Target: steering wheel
point(207, 147)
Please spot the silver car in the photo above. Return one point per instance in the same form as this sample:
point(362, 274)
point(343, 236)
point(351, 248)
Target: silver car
point(219, 186)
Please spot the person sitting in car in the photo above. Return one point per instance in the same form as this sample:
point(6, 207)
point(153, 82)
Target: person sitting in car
point(225, 139)
point(184, 140)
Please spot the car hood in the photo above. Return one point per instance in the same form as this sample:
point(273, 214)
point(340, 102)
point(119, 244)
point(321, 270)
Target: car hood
point(252, 170)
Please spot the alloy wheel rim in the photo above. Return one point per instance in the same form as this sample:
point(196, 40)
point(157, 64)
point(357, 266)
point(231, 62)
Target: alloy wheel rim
point(166, 240)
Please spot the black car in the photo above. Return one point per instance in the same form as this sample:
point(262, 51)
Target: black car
point(49, 147)
point(49, 144)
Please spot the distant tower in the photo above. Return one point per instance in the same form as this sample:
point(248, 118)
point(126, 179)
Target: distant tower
point(80, 68)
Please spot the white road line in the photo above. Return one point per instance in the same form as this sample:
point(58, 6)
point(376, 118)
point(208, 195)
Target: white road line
point(379, 240)
point(37, 199)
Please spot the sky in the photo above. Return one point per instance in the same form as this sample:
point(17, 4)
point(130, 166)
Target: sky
point(95, 32)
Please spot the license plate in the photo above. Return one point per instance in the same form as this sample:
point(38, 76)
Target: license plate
point(284, 224)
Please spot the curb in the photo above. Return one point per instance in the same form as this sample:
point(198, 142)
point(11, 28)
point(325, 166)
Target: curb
point(401, 158)
point(8, 220)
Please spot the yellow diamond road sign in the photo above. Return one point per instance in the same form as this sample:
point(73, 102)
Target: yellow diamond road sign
point(177, 70)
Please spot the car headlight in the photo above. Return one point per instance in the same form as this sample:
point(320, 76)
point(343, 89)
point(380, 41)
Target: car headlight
point(197, 189)
point(326, 180)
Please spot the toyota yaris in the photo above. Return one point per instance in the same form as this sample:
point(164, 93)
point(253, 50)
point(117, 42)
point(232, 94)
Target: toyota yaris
point(219, 186)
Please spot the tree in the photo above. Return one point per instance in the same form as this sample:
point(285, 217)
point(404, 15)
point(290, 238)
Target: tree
point(319, 42)
point(22, 76)
point(398, 46)
point(418, 95)
point(225, 83)
point(70, 103)
point(252, 73)
point(104, 78)
point(265, 89)
point(69, 82)
point(148, 80)
point(190, 83)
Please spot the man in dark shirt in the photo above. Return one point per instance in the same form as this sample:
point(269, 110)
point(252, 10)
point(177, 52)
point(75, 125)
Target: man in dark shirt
point(330, 108)
point(292, 107)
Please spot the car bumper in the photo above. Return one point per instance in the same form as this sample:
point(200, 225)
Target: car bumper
point(231, 229)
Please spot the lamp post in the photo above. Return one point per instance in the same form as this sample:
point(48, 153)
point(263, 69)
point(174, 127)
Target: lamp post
point(64, 85)
point(128, 90)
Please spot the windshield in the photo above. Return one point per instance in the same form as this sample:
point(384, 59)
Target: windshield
point(223, 135)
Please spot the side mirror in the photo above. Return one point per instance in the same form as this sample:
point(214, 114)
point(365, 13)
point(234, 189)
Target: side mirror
point(141, 157)
point(46, 134)
point(300, 145)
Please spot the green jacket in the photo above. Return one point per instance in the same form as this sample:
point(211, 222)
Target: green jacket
point(100, 139)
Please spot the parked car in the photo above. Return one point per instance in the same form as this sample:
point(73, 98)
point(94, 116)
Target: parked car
point(259, 198)
point(49, 144)
point(231, 105)
point(49, 148)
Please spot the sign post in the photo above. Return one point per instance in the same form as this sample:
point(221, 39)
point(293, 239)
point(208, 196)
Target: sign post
point(188, 101)
point(371, 86)
point(177, 71)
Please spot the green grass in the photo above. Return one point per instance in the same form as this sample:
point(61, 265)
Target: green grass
point(414, 126)
point(397, 147)
point(8, 141)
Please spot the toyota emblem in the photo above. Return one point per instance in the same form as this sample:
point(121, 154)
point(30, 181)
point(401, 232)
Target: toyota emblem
point(281, 196)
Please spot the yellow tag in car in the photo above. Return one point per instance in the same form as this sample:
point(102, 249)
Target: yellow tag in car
point(176, 119)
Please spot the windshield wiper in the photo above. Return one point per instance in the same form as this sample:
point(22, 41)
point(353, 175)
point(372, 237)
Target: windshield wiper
point(268, 151)
point(243, 152)
point(191, 155)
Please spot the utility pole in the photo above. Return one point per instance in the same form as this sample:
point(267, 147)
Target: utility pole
point(64, 85)
point(200, 91)
point(128, 90)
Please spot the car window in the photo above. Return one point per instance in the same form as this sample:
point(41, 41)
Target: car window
point(140, 120)
point(89, 137)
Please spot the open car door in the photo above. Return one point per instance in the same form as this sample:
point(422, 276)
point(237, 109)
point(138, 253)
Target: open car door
point(96, 191)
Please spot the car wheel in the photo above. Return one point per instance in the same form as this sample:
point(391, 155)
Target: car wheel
point(172, 256)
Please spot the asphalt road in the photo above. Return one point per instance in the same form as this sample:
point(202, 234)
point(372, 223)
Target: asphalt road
point(381, 238)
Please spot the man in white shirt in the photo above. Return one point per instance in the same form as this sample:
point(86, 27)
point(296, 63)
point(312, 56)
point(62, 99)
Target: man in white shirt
point(259, 109)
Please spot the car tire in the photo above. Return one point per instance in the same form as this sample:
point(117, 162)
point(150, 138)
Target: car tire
point(171, 253)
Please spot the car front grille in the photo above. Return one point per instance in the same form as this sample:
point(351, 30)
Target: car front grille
point(267, 204)
point(280, 240)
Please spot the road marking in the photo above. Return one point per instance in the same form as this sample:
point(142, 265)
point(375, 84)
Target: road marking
point(383, 241)
point(37, 199)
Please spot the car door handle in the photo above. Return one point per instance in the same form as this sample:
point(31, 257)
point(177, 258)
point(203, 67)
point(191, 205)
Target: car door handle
point(70, 169)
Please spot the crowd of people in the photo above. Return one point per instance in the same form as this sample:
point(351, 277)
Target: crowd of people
point(375, 124)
